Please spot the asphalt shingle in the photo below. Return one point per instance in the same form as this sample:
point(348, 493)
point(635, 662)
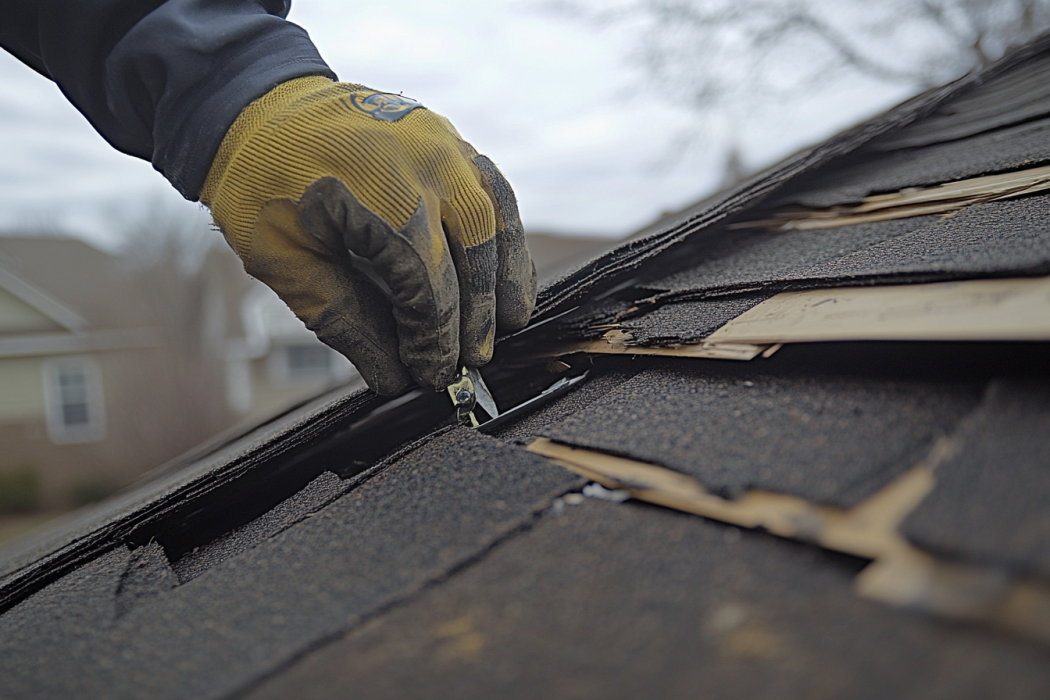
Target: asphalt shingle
point(629, 601)
point(1023, 146)
point(424, 516)
point(991, 501)
point(831, 439)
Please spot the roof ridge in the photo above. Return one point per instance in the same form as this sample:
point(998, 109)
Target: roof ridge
point(602, 275)
point(40, 300)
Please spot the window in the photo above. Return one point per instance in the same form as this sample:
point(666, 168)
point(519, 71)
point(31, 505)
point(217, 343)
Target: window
point(307, 364)
point(292, 364)
point(308, 361)
point(75, 408)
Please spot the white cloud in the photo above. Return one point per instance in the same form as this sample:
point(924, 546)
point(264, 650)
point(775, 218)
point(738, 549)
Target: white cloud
point(551, 101)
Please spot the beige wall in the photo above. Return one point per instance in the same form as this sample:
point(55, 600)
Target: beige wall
point(60, 468)
point(16, 316)
point(22, 390)
point(144, 426)
point(24, 438)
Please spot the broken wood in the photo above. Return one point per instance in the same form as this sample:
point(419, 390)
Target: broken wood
point(972, 310)
point(713, 351)
point(914, 201)
point(899, 575)
point(617, 341)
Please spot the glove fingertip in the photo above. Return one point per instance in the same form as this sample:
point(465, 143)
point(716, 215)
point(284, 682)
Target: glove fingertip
point(516, 300)
point(389, 386)
point(436, 377)
point(479, 351)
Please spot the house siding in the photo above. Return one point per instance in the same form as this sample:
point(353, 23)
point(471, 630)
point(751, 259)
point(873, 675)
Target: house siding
point(16, 316)
point(22, 390)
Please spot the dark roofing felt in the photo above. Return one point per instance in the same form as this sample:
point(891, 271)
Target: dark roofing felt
point(356, 547)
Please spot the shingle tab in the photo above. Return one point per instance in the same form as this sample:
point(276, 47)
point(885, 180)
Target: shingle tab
point(831, 439)
point(427, 514)
point(992, 499)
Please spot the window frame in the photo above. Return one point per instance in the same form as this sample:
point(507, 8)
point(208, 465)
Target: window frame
point(58, 430)
point(281, 372)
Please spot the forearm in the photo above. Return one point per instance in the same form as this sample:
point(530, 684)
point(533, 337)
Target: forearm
point(161, 80)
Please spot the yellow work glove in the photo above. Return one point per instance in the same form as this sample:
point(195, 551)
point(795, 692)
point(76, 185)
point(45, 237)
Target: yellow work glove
point(316, 170)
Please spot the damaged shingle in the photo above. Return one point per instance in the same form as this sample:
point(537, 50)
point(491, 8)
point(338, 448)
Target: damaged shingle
point(148, 573)
point(414, 523)
point(615, 601)
point(832, 439)
point(992, 500)
point(317, 494)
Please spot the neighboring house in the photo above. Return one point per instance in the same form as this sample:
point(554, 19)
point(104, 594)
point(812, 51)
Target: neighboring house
point(107, 369)
point(276, 361)
point(72, 342)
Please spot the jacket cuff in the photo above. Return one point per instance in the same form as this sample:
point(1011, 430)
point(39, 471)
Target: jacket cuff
point(200, 124)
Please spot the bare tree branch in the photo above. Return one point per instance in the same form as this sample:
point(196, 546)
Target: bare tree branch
point(726, 58)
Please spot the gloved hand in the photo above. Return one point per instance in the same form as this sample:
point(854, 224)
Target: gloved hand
point(315, 170)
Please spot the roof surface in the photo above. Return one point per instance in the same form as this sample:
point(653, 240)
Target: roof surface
point(828, 519)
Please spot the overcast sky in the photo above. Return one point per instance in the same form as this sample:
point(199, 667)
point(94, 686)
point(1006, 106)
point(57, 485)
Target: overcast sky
point(554, 102)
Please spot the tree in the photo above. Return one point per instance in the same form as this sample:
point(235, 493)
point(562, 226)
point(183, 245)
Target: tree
point(730, 60)
point(184, 276)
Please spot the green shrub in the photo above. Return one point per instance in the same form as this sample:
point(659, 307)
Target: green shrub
point(91, 490)
point(19, 490)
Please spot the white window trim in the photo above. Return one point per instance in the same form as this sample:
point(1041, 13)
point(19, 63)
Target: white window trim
point(95, 428)
point(238, 383)
point(279, 365)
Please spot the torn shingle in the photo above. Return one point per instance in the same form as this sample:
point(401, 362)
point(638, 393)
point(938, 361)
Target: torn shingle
point(992, 500)
point(148, 574)
point(317, 494)
point(832, 440)
point(899, 574)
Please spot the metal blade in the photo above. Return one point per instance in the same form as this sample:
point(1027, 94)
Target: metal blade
point(483, 395)
point(559, 388)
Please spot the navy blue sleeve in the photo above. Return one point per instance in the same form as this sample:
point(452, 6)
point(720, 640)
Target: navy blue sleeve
point(161, 79)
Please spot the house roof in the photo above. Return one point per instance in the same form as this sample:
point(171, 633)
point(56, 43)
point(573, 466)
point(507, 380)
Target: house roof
point(823, 519)
point(69, 297)
point(86, 282)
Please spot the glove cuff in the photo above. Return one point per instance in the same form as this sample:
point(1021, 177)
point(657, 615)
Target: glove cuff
point(250, 120)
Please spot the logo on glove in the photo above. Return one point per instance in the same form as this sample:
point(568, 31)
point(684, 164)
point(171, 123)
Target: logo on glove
point(384, 106)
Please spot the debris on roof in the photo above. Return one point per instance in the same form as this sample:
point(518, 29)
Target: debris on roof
point(899, 573)
point(996, 309)
point(915, 201)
